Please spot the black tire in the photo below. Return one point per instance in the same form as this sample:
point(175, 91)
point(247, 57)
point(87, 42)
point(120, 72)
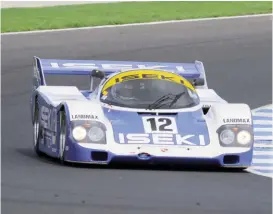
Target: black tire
point(239, 169)
point(235, 169)
point(62, 137)
point(36, 131)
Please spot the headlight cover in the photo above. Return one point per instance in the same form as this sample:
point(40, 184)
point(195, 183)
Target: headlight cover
point(235, 135)
point(79, 133)
point(96, 134)
point(227, 137)
point(244, 137)
point(89, 132)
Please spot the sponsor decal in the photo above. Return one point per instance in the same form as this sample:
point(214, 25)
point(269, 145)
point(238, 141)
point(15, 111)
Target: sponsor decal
point(164, 150)
point(45, 117)
point(113, 66)
point(146, 74)
point(84, 117)
point(161, 139)
point(48, 118)
point(206, 106)
point(117, 122)
point(236, 120)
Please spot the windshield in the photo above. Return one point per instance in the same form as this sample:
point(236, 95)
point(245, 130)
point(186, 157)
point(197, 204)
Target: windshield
point(149, 90)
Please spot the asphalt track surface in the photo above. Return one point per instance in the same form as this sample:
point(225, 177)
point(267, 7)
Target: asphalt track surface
point(237, 56)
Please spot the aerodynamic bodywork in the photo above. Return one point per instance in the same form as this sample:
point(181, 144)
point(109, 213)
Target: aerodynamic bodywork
point(146, 112)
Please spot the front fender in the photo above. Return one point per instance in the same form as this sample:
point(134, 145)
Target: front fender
point(225, 114)
point(84, 110)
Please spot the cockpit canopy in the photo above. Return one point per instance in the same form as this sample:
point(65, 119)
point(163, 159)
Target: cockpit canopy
point(149, 89)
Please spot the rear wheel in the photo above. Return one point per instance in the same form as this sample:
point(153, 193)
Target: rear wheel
point(36, 131)
point(62, 141)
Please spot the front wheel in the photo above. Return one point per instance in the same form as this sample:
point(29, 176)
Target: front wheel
point(235, 169)
point(62, 136)
point(36, 131)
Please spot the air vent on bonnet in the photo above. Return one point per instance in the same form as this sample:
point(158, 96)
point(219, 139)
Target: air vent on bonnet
point(153, 113)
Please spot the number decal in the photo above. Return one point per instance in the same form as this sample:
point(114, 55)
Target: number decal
point(168, 122)
point(153, 125)
point(159, 125)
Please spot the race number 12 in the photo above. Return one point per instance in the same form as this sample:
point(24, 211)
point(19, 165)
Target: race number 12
point(159, 125)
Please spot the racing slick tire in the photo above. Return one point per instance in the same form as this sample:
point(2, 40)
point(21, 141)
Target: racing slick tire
point(235, 169)
point(62, 137)
point(36, 131)
point(239, 169)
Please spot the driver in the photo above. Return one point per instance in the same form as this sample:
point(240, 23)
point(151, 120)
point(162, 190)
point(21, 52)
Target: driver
point(129, 90)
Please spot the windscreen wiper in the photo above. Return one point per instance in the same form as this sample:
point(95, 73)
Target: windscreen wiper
point(161, 101)
point(176, 98)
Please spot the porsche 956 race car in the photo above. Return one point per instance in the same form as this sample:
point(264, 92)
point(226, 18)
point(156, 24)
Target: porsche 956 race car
point(143, 112)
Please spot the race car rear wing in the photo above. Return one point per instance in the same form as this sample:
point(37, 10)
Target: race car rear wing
point(194, 72)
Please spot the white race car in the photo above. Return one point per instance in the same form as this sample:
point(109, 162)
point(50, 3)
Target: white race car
point(146, 112)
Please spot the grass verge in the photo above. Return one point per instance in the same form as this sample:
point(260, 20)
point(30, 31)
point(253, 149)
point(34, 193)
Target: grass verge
point(56, 17)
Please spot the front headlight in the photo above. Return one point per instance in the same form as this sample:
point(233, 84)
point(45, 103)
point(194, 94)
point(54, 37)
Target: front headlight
point(96, 134)
point(244, 137)
point(236, 135)
point(79, 133)
point(227, 137)
point(88, 131)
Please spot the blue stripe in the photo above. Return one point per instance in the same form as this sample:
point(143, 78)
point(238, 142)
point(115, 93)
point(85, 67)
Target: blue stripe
point(262, 164)
point(263, 156)
point(263, 133)
point(269, 142)
point(264, 170)
point(263, 149)
point(262, 126)
point(261, 118)
point(265, 110)
point(263, 141)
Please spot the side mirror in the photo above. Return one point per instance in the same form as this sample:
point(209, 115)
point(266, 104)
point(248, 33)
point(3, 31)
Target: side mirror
point(98, 74)
point(198, 82)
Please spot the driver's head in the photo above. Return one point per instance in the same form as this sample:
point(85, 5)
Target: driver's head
point(128, 90)
point(123, 90)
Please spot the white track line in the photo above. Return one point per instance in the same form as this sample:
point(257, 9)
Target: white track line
point(259, 173)
point(138, 24)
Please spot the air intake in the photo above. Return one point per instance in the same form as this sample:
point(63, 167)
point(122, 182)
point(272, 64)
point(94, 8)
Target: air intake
point(99, 156)
point(231, 159)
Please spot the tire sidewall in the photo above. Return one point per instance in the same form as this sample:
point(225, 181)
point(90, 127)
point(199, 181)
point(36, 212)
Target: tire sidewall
point(36, 130)
point(62, 136)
